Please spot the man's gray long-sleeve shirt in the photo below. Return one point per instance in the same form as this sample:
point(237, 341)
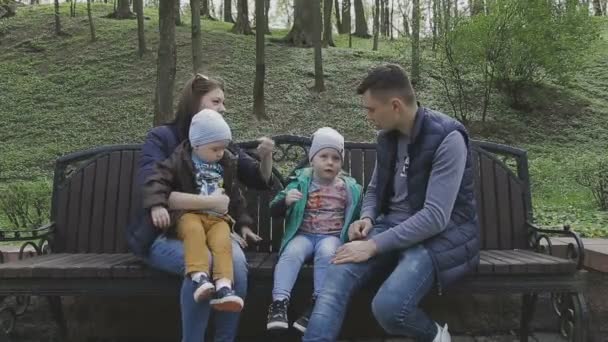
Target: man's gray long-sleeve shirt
point(408, 227)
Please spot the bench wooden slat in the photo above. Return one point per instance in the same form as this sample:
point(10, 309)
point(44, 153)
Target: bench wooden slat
point(111, 202)
point(356, 165)
point(86, 208)
point(264, 220)
point(97, 219)
point(518, 220)
point(23, 268)
point(60, 214)
point(503, 198)
point(127, 167)
point(488, 189)
point(75, 203)
point(346, 163)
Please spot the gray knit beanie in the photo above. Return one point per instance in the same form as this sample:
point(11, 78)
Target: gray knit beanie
point(208, 126)
point(326, 137)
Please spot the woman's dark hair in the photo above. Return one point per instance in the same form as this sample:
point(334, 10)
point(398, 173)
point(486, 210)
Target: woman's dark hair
point(190, 99)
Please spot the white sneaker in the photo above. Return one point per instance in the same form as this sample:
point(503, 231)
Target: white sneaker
point(442, 334)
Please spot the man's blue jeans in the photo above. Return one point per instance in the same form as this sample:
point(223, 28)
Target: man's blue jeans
point(168, 255)
point(301, 248)
point(395, 305)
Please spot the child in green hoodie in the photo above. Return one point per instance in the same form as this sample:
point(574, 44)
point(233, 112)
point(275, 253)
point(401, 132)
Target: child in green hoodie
point(319, 203)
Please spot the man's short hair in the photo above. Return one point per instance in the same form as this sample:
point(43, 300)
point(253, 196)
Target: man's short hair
point(390, 79)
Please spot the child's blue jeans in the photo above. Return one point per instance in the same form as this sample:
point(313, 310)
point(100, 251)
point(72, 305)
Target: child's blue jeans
point(301, 248)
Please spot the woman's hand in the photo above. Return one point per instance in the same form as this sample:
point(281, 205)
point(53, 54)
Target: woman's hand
point(247, 235)
point(160, 217)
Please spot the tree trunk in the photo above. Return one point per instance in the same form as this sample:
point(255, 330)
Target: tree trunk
point(346, 17)
point(242, 26)
point(381, 16)
point(141, 37)
point(204, 8)
point(266, 17)
point(316, 14)
point(178, 13)
point(360, 21)
point(327, 28)
point(597, 6)
point(456, 14)
point(446, 15)
point(123, 11)
point(91, 25)
point(57, 22)
point(338, 21)
point(73, 8)
point(228, 11)
point(476, 6)
point(377, 10)
point(406, 25)
point(302, 31)
point(166, 62)
point(259, 108)
point(415, 41)
point(390, 25)
point(605, 7)
point(197, 43)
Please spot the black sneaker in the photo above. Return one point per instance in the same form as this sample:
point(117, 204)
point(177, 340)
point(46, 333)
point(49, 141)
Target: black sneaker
point(226, 300)
point(203, 289)
point(302, 323)
point(277, 315)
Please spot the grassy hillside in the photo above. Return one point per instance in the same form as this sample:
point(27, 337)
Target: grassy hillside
point(61, 94)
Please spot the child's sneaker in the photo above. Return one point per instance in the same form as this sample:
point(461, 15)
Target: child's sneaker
point(302, 323)
point(277, 315)
point(226, 300)
point(203, 288)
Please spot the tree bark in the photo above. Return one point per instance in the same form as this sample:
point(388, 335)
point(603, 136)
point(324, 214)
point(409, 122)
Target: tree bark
point(303, 30)
point(390, 25)
point(141, 37)
point(123, 11)
point(381, 16)
point(242, 26)
point(377, 10)
point(327, 28)
point(338, 20)
point(266, 17)
point(415, 41)
point(91, 25)
point(316, 9)
point(360, 21)
point(228, 11)
point(204, 9)
point(597, 6)
point(57, 21)
point(166, 64)
point(259, 108)
point(476, 6)
point(197, 43)
point(178, 13)
point(346, 17)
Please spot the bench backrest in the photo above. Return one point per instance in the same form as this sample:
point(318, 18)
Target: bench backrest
point(95, 195)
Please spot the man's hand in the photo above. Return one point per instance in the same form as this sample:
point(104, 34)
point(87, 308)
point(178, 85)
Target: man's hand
point(356, 251)
point(292, 196)
point(359, 229)
point(247, 235)
point(160, 217)
point(265, 147)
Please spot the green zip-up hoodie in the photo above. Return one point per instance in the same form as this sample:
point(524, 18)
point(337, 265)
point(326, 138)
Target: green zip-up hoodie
point(294, 214)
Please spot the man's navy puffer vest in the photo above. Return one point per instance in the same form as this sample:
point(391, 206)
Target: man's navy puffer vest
point(455, 251)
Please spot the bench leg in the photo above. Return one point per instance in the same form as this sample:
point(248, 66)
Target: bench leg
point(528, 306)
point(57, 311)
point(581, 317)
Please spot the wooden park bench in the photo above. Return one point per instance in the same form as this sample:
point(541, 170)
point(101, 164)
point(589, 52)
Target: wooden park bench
point(83, 250)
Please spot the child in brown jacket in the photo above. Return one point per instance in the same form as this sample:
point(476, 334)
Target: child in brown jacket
point(205, 167)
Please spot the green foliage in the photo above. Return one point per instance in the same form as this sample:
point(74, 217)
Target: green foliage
point(593, 174)
point(26, 205)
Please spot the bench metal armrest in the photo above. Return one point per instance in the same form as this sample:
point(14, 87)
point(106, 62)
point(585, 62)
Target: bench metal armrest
point(574, 251)
point(43, 235)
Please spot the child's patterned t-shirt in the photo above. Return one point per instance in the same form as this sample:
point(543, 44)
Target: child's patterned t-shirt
point(325, 207)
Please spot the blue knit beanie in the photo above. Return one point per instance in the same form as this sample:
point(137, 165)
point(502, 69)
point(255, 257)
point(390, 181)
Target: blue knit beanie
point(208, 126)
